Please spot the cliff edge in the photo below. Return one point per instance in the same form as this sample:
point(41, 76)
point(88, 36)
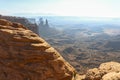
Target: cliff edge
point(26, 56)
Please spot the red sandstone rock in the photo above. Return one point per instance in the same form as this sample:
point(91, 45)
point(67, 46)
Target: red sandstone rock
point(106, 71)
point(26, 56)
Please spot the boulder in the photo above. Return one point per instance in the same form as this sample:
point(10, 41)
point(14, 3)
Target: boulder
point(106, 71)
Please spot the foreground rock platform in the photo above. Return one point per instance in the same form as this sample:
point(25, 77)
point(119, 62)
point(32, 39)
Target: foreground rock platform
point(106, 71)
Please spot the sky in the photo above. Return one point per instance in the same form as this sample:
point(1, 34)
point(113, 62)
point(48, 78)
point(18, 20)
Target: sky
point(87, 8)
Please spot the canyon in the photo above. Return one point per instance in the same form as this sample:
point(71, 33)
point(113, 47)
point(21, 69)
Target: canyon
point(24, 55)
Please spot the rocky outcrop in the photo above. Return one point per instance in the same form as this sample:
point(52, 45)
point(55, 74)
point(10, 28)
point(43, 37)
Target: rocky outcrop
point(26, 56)
point(24, 21)
point(112, 76)
point(106, 71)
point(45, 30)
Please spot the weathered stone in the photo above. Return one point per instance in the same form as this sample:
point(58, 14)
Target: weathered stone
point(26, 56)
point(106, 71)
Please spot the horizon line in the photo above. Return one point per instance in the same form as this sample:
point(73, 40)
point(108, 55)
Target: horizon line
point(52, 15)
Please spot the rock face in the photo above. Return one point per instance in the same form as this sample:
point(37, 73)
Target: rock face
point(106, 71)
point(24, 21)
point(26, 56)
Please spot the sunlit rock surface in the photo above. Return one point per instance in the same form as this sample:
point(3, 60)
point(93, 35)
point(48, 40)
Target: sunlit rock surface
point(26, 56)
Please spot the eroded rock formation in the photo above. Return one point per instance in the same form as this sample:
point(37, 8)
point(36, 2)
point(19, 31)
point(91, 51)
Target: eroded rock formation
point(24, 21)
point(26, 56)
point(106, 71)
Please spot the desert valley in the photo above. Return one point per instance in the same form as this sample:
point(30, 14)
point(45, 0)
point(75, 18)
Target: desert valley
point(85, 43)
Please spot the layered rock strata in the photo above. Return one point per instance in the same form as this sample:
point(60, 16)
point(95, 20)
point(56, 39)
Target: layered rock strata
point(26, 56)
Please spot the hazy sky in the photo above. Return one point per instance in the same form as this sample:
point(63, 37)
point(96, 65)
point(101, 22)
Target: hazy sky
point(91, 8)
